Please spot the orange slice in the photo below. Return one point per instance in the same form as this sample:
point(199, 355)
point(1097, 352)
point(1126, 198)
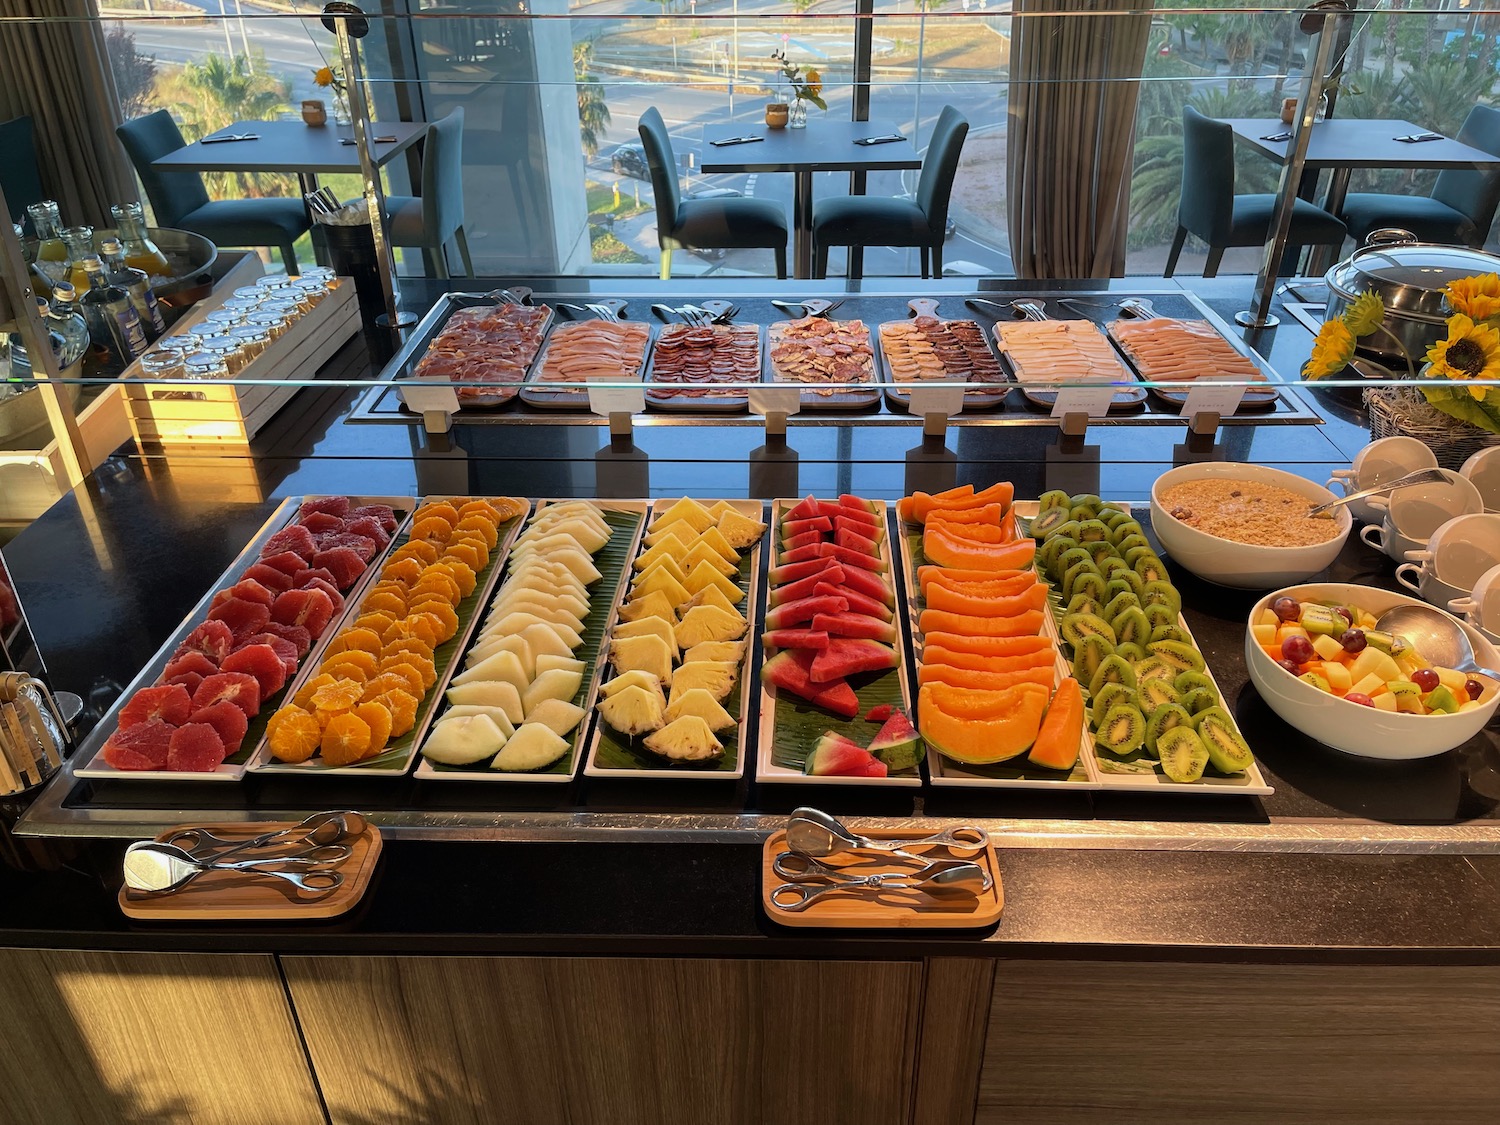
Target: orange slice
point(346, 667)
point(436, 577)
point(378, 718)
point(357, 638)
point(303, 698)
point(405, 571)
point(421, 626)
point(382, 601)
point(446, 615)
point(408, 674)
point(418, 549)
point(376, 622)
point(408, 644)
point(403, 708)
point(469, 551)
point(293, 735)
point(433, 530)
point(480, 508)
point(461, 572)
point(420, 602)
point(437, 509)
point(482, 527)
point(340, 695)
point(346, 739)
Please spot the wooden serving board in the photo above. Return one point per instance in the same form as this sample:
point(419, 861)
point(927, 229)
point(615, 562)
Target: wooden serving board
point(811, 399)
point(908, 910)
point(222, 896)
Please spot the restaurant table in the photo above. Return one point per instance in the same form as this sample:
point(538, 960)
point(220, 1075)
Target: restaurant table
point(824, 146)
point(1346, 143)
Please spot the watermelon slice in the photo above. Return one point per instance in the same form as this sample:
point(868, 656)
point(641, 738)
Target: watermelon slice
point(858, 504)
point(804, 609)
point(796, 638)
point(807, 587)
point(791, 572)
point(855, 625)
point(788, 670)
point(803, 554)
point(805, 510)
point(858, 603)
point(869, 583)
point(805, 539)
point(879, 713)
point(854, 541)
point(834, 755)
point(790, 528)
point(876, 768)
point(898, 744)
point(856, 558)
point(848, 656)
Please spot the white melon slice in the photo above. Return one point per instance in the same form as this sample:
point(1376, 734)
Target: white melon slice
point(558, 715)
point(557, 684)
point(632, 679)
point(697, 701)
point(504, 666)
point(646, 654)
point(546, 640)
point(647, 627)
point(463, 740)
point(723, 652)
point(532, 747)
point(654, 604)
point(548, 662)
point(701, 553)
point(549, 611)
point(490, 693)
point(520, 622)
point(690, 511)
point(487, 647)
point(589, 536)
point(708, 623)
point(571, 556)
point(495, 715)
point(705, 574)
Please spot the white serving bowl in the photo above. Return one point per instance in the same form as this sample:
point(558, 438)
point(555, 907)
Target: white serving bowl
point(1352, 727)
point(1243, 565)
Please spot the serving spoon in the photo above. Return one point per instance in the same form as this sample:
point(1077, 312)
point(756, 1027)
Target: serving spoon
point(1439, 638)
point(815, 833)
point(1420, 476)
point(157, 869)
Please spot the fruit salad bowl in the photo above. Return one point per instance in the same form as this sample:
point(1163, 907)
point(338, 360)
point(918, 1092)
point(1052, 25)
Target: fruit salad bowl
point(1244, 566)
point(1356, 727)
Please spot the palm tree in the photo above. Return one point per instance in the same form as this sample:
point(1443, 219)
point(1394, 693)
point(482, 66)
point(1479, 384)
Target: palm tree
point(593, 114)
point(216, 92)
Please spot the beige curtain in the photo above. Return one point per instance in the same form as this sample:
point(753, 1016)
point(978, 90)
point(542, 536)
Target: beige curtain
point(53, 68)
point(1074, 68)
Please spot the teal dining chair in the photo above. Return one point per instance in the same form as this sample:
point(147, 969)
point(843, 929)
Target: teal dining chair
point(1209, 208)
point(704, 224)
point(922, 221)
point(179, 199)
point(19, 175)
point(430, 220)
point(1461, 206)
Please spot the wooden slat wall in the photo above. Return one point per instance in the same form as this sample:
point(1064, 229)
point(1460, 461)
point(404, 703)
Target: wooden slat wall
point(579, 1041)
point(144, 1037)
point(1201, 1044)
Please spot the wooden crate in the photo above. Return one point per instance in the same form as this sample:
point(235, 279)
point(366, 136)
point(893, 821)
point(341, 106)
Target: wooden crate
point(202, 413)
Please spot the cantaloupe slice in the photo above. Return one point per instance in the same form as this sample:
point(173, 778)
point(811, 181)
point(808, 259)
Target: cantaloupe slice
point(463, 740)
point(532, 747)
point(490, 693)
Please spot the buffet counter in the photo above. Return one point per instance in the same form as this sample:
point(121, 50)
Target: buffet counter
point(604, 942)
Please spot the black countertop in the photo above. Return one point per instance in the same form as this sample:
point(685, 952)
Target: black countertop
point(107, 574)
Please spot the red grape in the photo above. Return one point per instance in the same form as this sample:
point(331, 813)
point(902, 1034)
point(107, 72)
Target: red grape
point(1353, 640)
point(1299, 650)
point(1474, 688)
point(1287, 609)
point(1425, 679)
point(1291, 666)
point(1359, 697)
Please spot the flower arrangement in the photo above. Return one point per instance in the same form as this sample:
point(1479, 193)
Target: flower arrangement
point(807, 85)
point(332, 78)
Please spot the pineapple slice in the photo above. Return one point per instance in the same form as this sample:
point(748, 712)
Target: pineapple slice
point(558, 715)
point(714, 539)
point(688, 739)
point(684, 531)
point(647, 627)
point(722, 506)
point(556, 684)
point(464, 740)
point(701, 703)
point(711, 595)
point(632, 679)
point(708, 623)
point(666, 563)
point(690, 511)
point(739, 531)
point(670, 547)
point(646, 654)
point(723, 652)
point(714, 677)
point(706, 574)
point(532, 747)
point(654, 604)
point(660, 580)
point(490, 694)
point(701, 552)
point(633, 711)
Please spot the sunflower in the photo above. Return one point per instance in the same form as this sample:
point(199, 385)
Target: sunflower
point(814, 82)
point(1471, 351)
point(1476, 297)
point(1331, 352)
point(1365, 314)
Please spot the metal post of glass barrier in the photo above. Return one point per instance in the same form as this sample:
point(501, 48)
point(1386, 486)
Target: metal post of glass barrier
point(1259, 313)
point(348, 22)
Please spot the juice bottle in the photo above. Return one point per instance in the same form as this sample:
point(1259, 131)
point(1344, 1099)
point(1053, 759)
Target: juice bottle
point(80, 244)
point(140, 252)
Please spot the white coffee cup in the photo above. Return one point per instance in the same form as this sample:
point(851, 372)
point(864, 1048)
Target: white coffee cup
point(1420, 579)
point(1462, 549)
point(1377, 463)
point(1483, 470)
point(1411, 514)
point(1482, 606)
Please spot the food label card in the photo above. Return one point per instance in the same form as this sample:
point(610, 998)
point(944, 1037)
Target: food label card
point(1213, 394)
point(1092, 400)
point(429, 395)
point(605, 401)
point(947, 401)
point(766, 399)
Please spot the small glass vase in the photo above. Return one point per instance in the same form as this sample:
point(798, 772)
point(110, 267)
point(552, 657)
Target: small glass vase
point(796, 116)
point(343, 119)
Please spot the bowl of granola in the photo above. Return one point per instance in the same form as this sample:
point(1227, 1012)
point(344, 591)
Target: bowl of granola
point(1244, 525)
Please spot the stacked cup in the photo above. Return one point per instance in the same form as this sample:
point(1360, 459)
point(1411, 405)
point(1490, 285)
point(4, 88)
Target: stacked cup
point(1376, 464)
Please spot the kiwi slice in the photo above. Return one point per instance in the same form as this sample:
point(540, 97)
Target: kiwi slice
point(1122, 730)
point(1157, 592)
point(1113, 517)
point(1121, 530)
point(1055, 498)
point(1119, 604)
point(1150, 568)
point(1199, 699)
point(1092, 531)
point(1185, 682)
point(1048, 521)
point(1182, 754)
point(1100, 550)
point(1155, 668)
point(1184, 655)
point(1052, 551)
point(1084, 603)
point(1112, 564)
point(1091, 583)
point(1072, 556)
point(1133, 555)
point(1110, 695)
point(1134, 539)
point(1068, 528)
point(1129, 650)
point(1163, 718)
point(1154, 693)
point(1088, 654)
point(1113, 669)
point(1124, 582)
point(1074, 572)
point(1166, 632)
point(1158, 614)
point(1131, 626)
point(1086, 508)
point(1076, 626)
point(1227, 751)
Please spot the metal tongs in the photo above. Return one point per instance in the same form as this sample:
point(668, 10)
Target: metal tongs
point(812, 832)
point(807, 880)
point(813, 306)
point(1420, 476)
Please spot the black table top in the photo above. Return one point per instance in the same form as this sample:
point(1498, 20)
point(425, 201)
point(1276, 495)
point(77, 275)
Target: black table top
point(289, 146)
point(1352, 142)
point(826, 145)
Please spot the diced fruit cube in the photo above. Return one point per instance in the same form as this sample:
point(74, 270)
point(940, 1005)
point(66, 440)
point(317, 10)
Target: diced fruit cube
point(1452, 679)
point(1371, 685)
point(1338, 677)
point(1373, 662)
point(1268, 617)
point(1384, 701)
point(1408, 696)
point(1289, 630)
point(1321, 619)
point(1265, 633)
point(1327, 646)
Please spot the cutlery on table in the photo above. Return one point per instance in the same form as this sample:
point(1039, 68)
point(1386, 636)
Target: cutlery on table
point(889, 138)
point(814, 833)
point(736, 141)
point(373, 140)
point(1286, 136)
point(230, 137)
point(1416, 138)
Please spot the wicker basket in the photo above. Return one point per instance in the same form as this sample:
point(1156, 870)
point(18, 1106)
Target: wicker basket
point(1403, 411)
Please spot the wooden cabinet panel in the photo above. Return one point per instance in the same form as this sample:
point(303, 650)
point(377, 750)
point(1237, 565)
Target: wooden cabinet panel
point(136, 1037)
point(955, 1012)
point(1143, 1043)
point(587, 1041)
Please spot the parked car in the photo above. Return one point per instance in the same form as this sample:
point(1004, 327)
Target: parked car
point(630, 160)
